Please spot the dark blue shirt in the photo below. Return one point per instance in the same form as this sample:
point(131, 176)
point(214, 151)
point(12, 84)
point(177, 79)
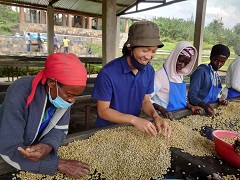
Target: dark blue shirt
point(117, 84)
point(200, 84)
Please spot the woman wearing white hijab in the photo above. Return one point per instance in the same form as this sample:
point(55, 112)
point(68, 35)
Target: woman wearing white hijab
point(169, 89)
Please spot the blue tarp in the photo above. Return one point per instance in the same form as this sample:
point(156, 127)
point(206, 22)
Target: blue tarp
point(35, 35)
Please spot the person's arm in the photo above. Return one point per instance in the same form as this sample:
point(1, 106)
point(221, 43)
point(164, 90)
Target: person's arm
point(164, 112)
point(148, 109)
point(73, 168)
point(36, 152)
point(197, 79)
point(57, 134)
point(195, 109)
point(18, 129)
point(207, 107)
point(12, 136)
point(222, 101)
point(159, 80)
point(109, 114)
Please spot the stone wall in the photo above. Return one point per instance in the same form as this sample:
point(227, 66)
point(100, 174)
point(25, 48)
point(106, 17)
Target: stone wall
point(80, 38)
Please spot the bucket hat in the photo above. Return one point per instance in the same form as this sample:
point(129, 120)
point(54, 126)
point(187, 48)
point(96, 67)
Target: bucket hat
point(143, 33)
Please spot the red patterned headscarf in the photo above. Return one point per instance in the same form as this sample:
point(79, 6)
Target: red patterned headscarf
point(188, 51)
point(65, 68)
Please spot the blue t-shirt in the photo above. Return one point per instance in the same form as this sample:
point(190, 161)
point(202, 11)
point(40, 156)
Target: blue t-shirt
point(125, 91)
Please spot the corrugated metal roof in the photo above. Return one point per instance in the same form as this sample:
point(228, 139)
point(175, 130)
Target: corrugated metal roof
point(91, 8)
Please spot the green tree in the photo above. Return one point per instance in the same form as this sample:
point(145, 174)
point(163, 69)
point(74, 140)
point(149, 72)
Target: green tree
point(8, 18)
point(175, 29)
point(216, 28)
point(236, 29)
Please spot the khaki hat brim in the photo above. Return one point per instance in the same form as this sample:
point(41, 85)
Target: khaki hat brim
point(143, 43)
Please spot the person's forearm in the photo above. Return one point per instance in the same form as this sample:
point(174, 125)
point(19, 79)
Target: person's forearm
point(189, 106)
point(114, 116)
point(202, 104)
point(157, 106)
point(193, 98)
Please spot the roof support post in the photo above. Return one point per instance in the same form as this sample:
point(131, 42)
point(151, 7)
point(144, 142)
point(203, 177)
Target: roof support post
point(109, 30)
point(50, 29)
point(117, 36)
point(69, 20)
point(199, 29)
point(22, 15)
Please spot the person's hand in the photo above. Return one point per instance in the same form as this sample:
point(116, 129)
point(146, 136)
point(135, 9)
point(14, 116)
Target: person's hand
point(35, 152)
point(162, 124)
point(222, 101)
point(196, 110)
point(145, 126)
point(73, 168)
point(166, 113)
point(209, 109)
point(214, 176)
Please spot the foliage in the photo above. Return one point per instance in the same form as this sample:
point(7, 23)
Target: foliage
point(5, 29)
point(236, 29)
point(157, 65)
point(175, 29)
point(8, 18)
point(94, 69)
point(22, 71)
point(122, 25)
point(96, 50)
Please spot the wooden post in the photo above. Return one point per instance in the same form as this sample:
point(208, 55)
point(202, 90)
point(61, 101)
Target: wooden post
point(50, 29)
point(199, 29)
point(109, 30)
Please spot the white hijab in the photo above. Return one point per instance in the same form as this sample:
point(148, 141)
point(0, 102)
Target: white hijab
point(170, 63)
point(161, 82)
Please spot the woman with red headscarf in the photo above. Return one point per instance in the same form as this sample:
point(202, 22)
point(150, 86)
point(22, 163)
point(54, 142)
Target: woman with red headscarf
point(35, 114)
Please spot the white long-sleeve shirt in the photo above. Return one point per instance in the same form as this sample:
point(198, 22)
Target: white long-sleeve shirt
point(232, 77)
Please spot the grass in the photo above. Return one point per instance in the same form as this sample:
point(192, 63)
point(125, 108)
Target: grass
point(97, 50)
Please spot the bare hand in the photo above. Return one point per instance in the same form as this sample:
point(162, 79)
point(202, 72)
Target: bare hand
point(209, 109)
point(145, 126)
point(166, 113)
point(196, 110)
point(223, 101)
point(162, 124)
point(73, 168)
point(35, 152)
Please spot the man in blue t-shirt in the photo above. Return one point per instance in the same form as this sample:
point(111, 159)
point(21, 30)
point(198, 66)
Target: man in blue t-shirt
point(124, 85)
point(205, 84)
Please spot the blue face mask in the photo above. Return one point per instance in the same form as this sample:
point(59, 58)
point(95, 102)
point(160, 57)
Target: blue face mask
point(58, 102)
point(136, 64)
